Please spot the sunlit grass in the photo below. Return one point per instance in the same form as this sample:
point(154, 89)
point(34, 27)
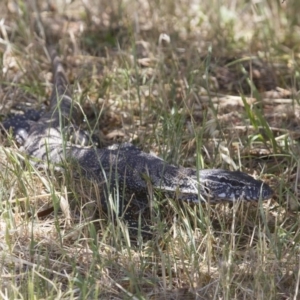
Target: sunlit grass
point(155, 73)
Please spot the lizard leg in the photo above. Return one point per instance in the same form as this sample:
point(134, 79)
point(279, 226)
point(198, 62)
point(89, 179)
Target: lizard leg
point(80, 137)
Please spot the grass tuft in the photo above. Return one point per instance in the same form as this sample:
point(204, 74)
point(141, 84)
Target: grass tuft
point(206, 85)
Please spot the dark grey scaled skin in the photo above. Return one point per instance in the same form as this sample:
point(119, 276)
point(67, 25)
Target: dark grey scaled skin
point(136, 170)
point(125, 166)
point(20, 124)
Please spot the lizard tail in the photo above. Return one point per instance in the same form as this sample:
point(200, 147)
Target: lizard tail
point(61, 95)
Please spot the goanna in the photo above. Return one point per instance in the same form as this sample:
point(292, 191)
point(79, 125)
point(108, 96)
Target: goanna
point(125, 166)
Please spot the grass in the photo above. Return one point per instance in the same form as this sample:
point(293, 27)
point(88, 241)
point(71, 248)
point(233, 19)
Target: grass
point(174, 78)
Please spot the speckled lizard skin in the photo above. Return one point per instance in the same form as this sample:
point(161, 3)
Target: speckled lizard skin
point(125, 166)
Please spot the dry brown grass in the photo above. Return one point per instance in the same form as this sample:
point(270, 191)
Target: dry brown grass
point(206, 85)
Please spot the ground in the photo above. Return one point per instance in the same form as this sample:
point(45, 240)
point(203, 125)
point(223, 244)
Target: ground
point(212, 85)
